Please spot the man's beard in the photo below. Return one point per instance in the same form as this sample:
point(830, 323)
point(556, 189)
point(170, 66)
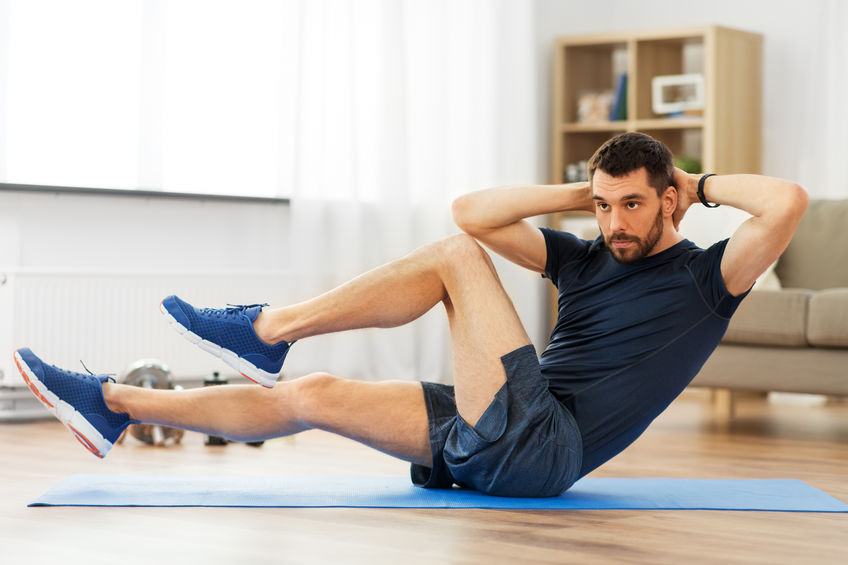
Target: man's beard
point(641, 248)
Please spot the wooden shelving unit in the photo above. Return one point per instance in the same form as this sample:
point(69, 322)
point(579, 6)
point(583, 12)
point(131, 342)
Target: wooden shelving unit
point(726, 137)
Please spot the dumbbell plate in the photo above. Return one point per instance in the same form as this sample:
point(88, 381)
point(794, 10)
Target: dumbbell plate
point(148, 373)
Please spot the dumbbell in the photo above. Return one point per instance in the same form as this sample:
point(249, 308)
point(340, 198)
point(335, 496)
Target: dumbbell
point(150, 373)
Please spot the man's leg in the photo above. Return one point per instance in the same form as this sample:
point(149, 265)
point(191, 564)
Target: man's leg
point(388, 416)
point(455, 271)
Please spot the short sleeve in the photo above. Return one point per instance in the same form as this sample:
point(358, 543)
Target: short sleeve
point(705, 268)
point(562, 248)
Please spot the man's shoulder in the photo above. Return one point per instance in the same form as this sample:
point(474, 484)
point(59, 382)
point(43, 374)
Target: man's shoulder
point(707, 255)
point(564, 237)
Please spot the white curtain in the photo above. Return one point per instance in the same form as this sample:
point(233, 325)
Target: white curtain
point(806, 66)
point(831, 170)
point(399, 107)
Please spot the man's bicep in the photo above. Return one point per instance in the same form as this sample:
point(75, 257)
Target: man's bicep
point(521, 242)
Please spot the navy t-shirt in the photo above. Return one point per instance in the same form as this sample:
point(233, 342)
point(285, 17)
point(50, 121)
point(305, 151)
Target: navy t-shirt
point(629, 338)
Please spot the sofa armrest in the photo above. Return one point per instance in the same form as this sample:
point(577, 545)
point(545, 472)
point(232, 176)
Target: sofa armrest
point(771, 317)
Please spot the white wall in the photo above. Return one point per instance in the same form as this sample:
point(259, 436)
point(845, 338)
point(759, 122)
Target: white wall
point(804, 56)
point(57, 233)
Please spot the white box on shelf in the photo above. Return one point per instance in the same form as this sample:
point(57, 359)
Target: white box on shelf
point(671, 94)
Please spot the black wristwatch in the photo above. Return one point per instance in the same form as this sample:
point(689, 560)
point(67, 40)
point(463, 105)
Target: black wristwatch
point(701, 196)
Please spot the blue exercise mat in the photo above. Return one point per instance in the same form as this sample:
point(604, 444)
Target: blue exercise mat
point(397, 492)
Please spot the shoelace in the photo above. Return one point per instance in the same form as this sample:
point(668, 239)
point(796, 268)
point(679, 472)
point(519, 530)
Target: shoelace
point(231, 310)
point(109, 376)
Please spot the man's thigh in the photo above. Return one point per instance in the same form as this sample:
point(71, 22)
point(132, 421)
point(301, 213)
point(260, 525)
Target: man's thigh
point(484, 326)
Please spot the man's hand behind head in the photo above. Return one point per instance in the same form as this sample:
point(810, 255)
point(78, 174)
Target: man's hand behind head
point(687, 194)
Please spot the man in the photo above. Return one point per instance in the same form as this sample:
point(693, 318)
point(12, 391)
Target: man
point(640, 310)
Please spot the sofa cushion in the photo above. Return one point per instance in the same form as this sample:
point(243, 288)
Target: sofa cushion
point(815, 259)
point(771, 317)
point(827, 324)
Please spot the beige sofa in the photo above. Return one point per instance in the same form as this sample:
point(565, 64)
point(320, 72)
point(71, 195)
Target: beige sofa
point(794, 339)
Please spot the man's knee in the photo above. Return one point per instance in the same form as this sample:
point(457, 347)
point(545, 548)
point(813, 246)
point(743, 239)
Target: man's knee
point(463, 250)
point(311, 393)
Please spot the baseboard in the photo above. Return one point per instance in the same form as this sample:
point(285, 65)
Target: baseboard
point(17, 404)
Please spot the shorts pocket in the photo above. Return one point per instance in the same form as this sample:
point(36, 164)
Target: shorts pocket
point(465, 440)
point(490, 427)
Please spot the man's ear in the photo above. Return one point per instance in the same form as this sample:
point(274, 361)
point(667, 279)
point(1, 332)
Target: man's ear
point(669, 201)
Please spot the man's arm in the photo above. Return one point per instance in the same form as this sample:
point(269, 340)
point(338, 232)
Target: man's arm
point(776, 207)
point(496, 218)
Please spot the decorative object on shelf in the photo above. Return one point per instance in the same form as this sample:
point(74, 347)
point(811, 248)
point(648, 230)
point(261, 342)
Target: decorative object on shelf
point(688, 163)
point(675, 94)
point(618, 112)
point(594, 107)
point(576, 172)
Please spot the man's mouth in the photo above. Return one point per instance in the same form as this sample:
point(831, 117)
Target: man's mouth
point(622, 242)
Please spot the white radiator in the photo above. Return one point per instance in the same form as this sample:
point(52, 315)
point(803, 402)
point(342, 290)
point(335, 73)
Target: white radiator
point(109, 320)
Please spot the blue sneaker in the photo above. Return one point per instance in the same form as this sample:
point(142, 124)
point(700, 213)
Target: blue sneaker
point(76, 400)
point(229, 335)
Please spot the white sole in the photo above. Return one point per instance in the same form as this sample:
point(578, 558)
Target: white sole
point(245, 368)
point(87, 434)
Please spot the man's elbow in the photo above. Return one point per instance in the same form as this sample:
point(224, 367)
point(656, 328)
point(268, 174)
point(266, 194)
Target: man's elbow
point(796, 199)
point(787, 204)
point(461, 212)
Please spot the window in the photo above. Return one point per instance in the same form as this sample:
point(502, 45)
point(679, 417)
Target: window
point(72, 93)
point(177, 95)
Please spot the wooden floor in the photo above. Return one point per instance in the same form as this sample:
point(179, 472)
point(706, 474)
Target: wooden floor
point(765, 441)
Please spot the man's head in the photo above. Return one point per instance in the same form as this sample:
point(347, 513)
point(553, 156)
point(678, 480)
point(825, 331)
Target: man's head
point(632, 185)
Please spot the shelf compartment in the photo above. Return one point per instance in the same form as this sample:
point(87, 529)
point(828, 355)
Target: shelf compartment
point(580, 146)
point(682, 142)
point(588, 68)
point(657, 57)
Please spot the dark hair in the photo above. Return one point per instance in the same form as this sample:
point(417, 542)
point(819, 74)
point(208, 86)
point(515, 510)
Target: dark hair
point(630, 151)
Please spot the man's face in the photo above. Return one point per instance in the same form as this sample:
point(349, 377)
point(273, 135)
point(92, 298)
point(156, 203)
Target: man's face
point(629, 213)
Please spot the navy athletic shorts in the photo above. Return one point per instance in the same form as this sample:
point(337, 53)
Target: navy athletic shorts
point(526, 443)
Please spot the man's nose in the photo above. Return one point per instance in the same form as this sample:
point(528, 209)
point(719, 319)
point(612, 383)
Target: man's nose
point(617, 221)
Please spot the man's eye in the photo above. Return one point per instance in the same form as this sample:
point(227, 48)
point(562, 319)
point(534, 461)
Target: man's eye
point(632, 205)
point(603, 205)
